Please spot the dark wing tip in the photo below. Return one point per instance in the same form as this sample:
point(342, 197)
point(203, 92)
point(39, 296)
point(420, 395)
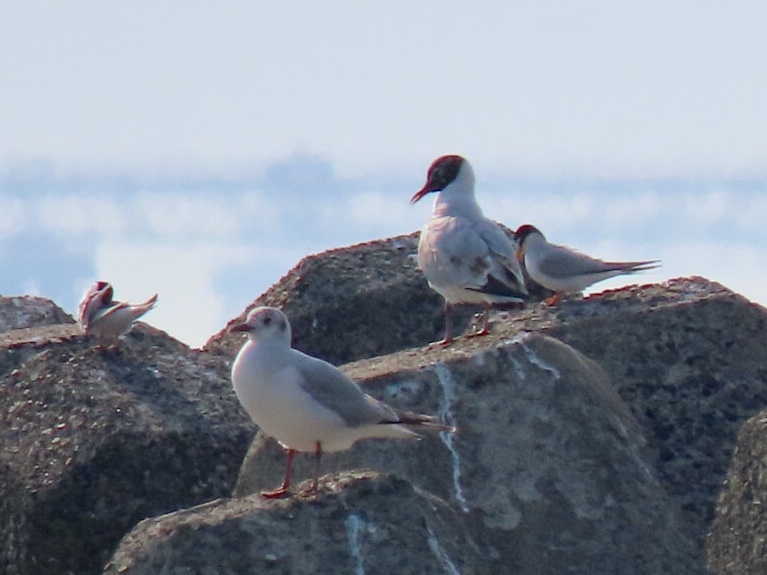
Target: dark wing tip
point(421, 421)
point(496, 287)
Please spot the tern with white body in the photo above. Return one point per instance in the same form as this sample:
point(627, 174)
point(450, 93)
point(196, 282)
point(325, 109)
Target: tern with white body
point(565, 270)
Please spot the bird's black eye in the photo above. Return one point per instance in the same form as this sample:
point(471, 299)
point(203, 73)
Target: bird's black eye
point(267, 320)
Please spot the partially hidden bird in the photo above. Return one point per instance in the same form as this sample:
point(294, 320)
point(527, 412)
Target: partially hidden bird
point(100, 315)
point(305, 403)
point(465, 257)
point(565, 270)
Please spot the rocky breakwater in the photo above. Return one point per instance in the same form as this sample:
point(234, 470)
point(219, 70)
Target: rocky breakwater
point(548, 473)
point(593, 438)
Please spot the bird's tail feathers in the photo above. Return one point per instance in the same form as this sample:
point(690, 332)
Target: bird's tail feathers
point(142, 308)
point(639, 266)
point(498, 288)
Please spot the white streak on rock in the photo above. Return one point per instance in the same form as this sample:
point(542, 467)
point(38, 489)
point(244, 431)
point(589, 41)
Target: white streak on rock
point(447, 382)
point(635, 452)
point(538, 362)
point(518, 371)
point(355, 526)
point(516, 340)
point(519, 341)
point(440, 554)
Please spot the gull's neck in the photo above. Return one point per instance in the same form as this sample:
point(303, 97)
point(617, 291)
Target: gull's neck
point(271, 349)
point(457, 199)
point(262, 362)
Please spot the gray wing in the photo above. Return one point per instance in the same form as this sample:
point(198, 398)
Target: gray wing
point(333, 389)
point(472, 256)
point(504, 250)
point(562, 262)
point(497, 240)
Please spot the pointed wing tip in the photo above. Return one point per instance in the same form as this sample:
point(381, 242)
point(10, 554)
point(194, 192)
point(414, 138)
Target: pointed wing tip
point(433, 424)
point(648, 265)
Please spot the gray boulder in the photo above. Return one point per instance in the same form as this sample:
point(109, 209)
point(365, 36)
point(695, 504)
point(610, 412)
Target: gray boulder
point(363, 523)
point(352, 303)
point(736, 542)
point(95, 441)
point(357, 302)
point(23, 312)
point(688, 357)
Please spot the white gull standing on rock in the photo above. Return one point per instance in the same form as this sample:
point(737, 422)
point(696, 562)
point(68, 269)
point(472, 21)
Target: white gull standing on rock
point(102, 316)
point(564, 270)
point(466, 257)
point(307, 404)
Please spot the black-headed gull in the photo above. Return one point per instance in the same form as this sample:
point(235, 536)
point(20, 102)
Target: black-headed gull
point(307, 404)
point(466, 257)
point(565, 270)
point(100, 315)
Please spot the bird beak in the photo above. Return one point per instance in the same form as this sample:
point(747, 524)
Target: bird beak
point(521, 256)
point(239, 327)
point(419, 194)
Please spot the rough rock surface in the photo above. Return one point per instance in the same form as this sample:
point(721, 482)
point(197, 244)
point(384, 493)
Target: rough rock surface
point(29, 311)
point(358, 302)
point(548, 472)
point(363, 523)
point(352, 303)
point(737, 543)
point(94, 441)
point(690, 359)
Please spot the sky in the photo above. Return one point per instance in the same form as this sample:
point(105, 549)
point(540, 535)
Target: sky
point(199, 150)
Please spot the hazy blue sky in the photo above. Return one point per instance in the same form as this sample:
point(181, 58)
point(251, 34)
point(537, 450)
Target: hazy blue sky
point(199, 149)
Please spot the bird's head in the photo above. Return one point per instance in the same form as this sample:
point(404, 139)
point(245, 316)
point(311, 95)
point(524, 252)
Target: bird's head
point(265, 323)
point(443, 172)
point(521, 237)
